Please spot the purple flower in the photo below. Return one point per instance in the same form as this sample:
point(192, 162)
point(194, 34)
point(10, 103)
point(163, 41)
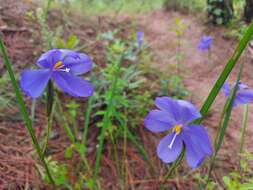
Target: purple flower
point(205, 43)
point(177, 115)
point(140, 37)
point(244, 95)
point(62, 66)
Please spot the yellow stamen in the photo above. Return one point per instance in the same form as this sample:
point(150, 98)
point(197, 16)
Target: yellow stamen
point(177, 128)
point(59, 65)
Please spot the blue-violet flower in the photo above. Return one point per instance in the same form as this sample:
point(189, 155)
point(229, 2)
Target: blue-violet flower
point(177, 115)
point(244, 94)
point(63, 66)
point(205, 43)
point(140, 37)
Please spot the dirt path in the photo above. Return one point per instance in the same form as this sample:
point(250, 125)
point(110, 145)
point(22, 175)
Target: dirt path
point(199, 75)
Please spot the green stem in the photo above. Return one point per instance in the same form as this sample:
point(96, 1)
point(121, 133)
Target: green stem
point(86, 125)
point(49, 128)
point(63, 121)
point(27, 120)
point(33, 109)
point(209, 56)
point(50, 102)
point(225, 107)
point(172, 168)
point(244, 126)
point(50, 98)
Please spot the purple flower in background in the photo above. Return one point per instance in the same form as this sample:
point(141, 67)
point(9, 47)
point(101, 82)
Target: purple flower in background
point(244, 94)
point(177, 115)
point(140, 37)
point(205, 43)
point(62, 66)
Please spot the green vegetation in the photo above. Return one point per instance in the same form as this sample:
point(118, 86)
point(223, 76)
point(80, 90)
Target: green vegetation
point(100, 141)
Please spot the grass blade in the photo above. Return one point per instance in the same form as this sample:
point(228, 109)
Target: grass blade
point(225, 73)
point(27, 120)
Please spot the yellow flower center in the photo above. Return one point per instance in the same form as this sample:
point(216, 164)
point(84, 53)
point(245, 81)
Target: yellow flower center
point(177, 129)
point(59, 65)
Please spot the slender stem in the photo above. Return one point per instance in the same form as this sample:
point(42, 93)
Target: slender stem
point(172, 168)
point(62, 120)
point(33, 109)
point(50, 98)
point(244, 126)
point(49, 128)
point(50, 104)
point(27, 120)
point(115, 154)
point(209, 56)
point(124, 165)
point(86, 125)
point(178, 53)
point(220, 122)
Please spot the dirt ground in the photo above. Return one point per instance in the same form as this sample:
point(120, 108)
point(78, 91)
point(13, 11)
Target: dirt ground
point(199, 77)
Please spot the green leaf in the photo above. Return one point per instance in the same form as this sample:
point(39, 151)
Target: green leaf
point(226, 180)
point(217, 12)
point(219, 21)
point(72, 42)
point(68, 152)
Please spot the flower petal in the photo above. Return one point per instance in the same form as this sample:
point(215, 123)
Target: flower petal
point(205, 43)
point(244, 96)
point(226, 89)
point(140, 36)
point(49, 59)
point(33, 82)
point(158, 121)
point(200, 137)
point(167, 154)
point(194, 154)
point(73, 85)
point(188, 112)
point(79, 64)
point(169, 105)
